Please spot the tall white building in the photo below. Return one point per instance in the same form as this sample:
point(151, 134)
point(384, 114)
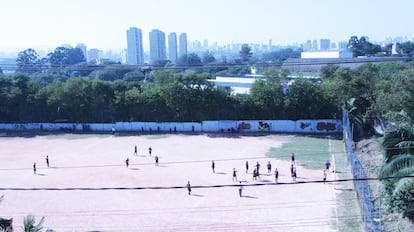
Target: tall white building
point(135, 51)
point(172, 47)
point(182, 44)
point(157, 46)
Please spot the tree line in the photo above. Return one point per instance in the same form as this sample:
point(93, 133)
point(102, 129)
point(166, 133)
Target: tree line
point(190, 96)
point(362, 47)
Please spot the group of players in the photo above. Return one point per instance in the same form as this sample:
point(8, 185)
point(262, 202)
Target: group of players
point(256, 170)
point(35, 167)
point(136, 154)
point(126, 161)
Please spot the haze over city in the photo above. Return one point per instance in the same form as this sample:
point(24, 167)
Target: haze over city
point(102, 24)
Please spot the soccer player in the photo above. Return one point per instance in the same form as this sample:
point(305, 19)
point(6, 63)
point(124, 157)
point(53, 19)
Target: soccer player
point(294, 175)
point(189, 188)
point(257, 167)
point(240, 189)
point(325, 174)
point(269, 167)
point(276, 175)
point(327, 165)
point(234, 174)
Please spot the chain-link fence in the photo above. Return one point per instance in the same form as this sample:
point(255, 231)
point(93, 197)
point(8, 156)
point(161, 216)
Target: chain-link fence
point(370, 214)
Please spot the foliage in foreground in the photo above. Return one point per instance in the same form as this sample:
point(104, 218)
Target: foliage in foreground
point(398, 144)
point(29, 224)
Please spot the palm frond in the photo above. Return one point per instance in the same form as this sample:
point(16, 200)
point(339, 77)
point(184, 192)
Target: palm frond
point(397, 139)
point(397, 165)
point(405, 144)
point(39, 226)
point(349, 104)
point(403, 184)
point(29, 224)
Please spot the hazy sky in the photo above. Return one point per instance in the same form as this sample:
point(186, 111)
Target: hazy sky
point(103, 23)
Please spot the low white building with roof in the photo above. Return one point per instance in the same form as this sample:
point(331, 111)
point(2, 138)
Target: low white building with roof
point(238, 84)
point(326, 54)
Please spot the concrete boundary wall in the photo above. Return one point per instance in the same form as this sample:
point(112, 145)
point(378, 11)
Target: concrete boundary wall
point(222, 126)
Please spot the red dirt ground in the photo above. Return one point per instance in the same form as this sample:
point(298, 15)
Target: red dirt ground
point(95, 161)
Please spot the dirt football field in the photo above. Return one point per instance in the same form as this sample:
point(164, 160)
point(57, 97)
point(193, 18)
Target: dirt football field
point(87, 186)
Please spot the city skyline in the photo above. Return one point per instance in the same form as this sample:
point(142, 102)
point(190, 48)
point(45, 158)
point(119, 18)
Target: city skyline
point(102, 24)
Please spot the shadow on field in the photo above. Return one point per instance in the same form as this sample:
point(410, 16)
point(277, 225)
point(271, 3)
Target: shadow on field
point(266, 181)
point(221, 173)
point(197, 195)
point(162, 166)
point(224, 135)
point(252, 197)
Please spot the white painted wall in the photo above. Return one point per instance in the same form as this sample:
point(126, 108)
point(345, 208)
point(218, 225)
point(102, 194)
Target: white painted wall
point(225, 126)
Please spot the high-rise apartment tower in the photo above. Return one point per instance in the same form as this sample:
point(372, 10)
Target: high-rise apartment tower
point(135, 51)
point(172, 47)
point(182, 44)
point(157, 46)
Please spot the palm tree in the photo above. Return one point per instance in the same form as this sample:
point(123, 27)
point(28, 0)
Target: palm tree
point(355, 118)
point(29, 224)
point(399, 162)
point(398, 140)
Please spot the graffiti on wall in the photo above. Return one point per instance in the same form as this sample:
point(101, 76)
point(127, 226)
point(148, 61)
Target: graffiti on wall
point(328, 126)
point(263, 126)
point(304, 125)
point(244, 126)
point(301, 126)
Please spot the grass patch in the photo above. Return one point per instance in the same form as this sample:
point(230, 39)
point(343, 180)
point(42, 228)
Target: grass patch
point(313, 153)
point(157, 136)
point(309, 151)
point(347, 205)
